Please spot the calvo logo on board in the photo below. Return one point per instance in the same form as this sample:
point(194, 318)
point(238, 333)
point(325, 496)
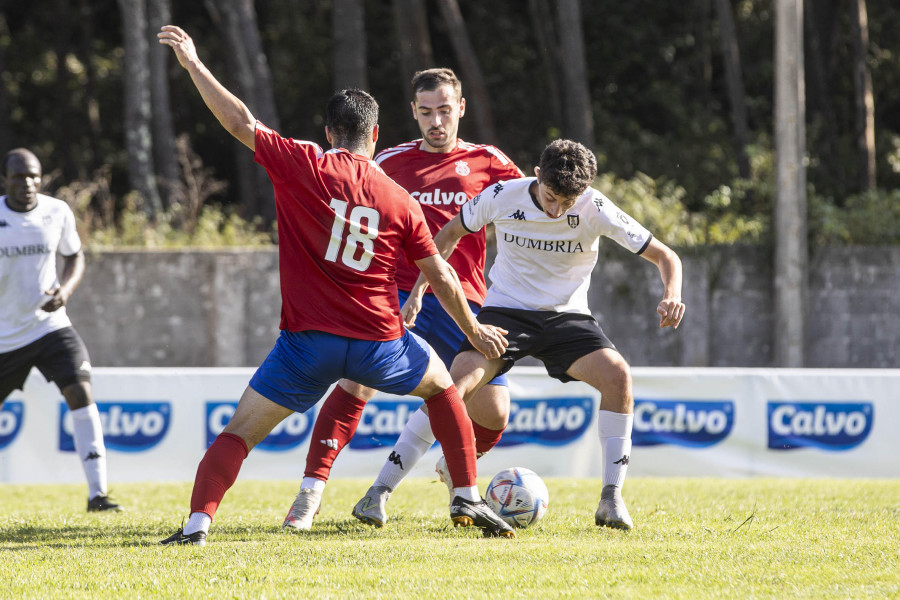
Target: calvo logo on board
point(127, 426)
point(823, 425)
point(382, 422)
point(287, 435)
point(690, 423)
point(547, 421)
point(12, 414)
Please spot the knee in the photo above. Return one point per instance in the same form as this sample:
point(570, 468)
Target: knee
point(77, 395)
point(618, 390)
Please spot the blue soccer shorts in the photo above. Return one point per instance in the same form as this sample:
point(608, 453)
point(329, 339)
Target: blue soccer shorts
point(303, 365)
point(439, 329)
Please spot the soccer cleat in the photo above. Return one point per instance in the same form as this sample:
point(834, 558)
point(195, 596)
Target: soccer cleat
point(444, 474)
point(101, 503)
point(304, 508)
point(612, 512)
point(198, 538)
point(370, 510)
point(465, 513)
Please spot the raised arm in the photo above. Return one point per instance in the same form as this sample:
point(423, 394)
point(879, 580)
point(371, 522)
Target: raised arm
point(233, 114)
point(670, 308)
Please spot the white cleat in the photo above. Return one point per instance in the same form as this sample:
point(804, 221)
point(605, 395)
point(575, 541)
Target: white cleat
point(612, 512)
point(371, 509)
point(444, 474)
point(305, 507)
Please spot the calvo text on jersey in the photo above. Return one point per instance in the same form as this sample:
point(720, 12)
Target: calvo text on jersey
point(438, 197)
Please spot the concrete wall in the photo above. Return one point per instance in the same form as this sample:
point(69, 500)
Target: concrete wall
point(222, 308)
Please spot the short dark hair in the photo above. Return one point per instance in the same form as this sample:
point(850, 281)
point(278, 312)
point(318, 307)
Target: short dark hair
point(351, 115)
point(567, 167)
point(431, 79)
point(24, 153)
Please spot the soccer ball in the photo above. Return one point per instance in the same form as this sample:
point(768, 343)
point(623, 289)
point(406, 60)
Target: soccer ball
point(519, 496)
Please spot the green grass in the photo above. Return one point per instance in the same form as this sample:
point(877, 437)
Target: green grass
point(694, 538)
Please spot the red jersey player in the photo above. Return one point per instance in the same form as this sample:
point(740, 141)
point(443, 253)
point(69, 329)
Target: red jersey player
point(342, 223)
point(442, 173)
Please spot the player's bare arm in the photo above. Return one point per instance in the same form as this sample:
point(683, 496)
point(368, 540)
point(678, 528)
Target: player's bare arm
point(487, 339)
point(233, 114)
point(446, 241)
point(72, 273)
point(670, 308)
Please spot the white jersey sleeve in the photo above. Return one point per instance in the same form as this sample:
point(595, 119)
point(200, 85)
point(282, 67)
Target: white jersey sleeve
point(482, 209)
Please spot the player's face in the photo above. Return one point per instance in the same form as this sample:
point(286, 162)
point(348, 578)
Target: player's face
point(23, 180)
point(438, 113)
point(554, 205)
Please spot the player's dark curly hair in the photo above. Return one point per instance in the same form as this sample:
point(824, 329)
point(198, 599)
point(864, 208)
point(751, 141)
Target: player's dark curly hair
point(351, 115)
point(567, 167)
point(431, 79)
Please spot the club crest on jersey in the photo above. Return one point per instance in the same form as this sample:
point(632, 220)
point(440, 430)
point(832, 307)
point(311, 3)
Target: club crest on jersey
point(573, 221)
point(462, 168)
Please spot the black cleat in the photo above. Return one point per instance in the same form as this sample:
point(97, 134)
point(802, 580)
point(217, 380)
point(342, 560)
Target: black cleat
point(198, 538)
point(465, 513)
point(100, 503)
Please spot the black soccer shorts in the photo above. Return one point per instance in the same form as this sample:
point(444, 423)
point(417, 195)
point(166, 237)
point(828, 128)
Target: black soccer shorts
point(60, 356)
point(557, 339)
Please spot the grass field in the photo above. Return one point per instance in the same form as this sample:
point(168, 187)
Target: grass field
point(694, 538)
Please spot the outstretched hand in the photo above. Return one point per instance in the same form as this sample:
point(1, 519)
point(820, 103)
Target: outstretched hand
point(670, 311)
point(181, 43)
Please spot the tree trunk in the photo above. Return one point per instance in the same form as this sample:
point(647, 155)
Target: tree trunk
point(414, 42)
point(348, 35)
point(818, 19)
point(165, 155)
point(472, 76)
point(545, 36)
point(732, 57)
point(5, 133)
point(63, 115)
point(791, 262)
point(865, 101)
point(579, 116)
point(236, 19)
point(138, 139)
point(92, 104)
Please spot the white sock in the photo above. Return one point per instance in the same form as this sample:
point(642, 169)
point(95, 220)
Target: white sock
point(615, 441)
point(88, 435)
point(198, 521)
point(414, 441)
point(311, 483)
point(469, 493)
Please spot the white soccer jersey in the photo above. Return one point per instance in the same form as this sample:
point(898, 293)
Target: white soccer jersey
point(29, 242)
point(544, 263)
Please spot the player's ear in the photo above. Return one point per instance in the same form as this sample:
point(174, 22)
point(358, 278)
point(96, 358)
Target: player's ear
point(328, 135)
point(375, 133)
point(537, 173)
point(412, 105)
point(462, 106)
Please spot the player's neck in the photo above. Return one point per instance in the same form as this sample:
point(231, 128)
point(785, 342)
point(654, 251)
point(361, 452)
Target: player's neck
point(445, 149)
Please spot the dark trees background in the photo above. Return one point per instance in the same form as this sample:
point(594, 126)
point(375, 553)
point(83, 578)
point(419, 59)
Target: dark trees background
point(681, 91)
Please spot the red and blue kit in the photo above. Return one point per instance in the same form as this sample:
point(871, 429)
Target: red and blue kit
point(341, 224)
point(441, 183)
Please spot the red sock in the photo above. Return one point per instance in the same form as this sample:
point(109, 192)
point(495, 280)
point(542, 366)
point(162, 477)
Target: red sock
point(335, 425)
point(217, 471)
point(485, 438)
point(453, 429)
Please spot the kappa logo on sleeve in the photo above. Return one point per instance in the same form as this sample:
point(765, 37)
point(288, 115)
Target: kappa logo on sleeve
point(127, 426)
point(824, 425)
point(12, 413)
point(690, 423)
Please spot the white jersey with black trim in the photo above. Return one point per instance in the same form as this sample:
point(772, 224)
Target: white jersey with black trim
point(29, 242)
point(544, 263)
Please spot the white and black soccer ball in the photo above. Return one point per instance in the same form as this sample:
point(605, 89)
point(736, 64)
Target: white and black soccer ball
point(519, 496)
